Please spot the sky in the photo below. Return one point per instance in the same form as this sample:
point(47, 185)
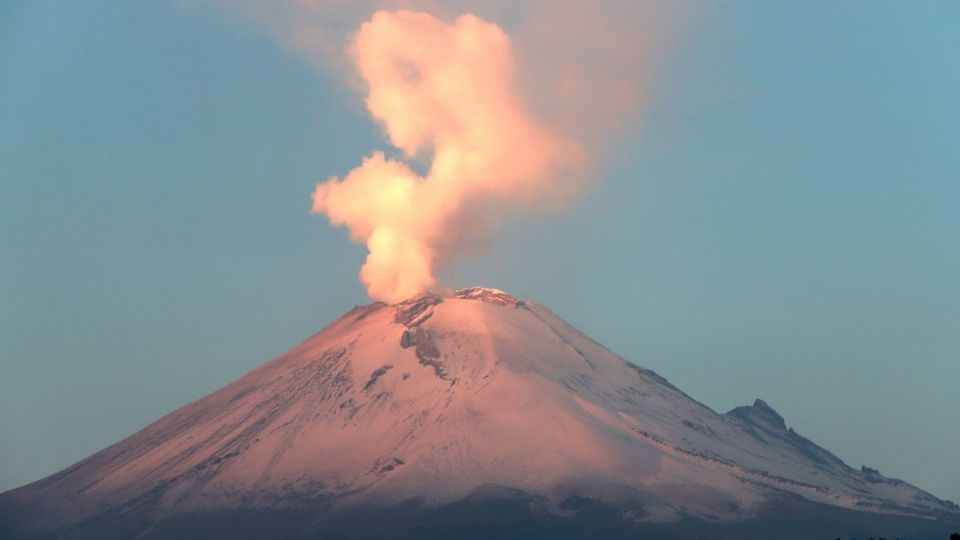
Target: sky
point(779, 221)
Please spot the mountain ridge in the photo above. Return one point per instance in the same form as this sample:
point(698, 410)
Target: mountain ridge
point(443, 397)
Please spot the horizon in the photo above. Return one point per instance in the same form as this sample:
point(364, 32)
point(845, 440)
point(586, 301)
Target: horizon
point(776, 220)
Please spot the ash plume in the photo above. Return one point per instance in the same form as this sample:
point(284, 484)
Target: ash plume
point(445, 90)
point(504, 115)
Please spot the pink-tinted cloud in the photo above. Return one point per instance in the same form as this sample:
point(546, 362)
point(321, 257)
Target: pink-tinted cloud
point(445, 90)
point(507, 114)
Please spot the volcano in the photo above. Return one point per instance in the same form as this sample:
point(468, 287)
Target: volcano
point(468, 415)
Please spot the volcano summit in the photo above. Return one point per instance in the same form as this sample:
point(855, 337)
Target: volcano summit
point(473, 415)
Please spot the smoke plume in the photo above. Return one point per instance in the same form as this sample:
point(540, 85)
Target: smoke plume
point(446, 91)
point(499, 122)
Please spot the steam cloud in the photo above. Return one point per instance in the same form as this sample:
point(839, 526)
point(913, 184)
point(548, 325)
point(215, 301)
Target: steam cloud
point(500, 122)
point(446, 90)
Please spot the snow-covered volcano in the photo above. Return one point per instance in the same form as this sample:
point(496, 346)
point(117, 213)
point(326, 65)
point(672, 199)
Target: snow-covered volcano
point(417, 411)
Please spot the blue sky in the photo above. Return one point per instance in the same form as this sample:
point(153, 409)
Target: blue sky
point(783, 223)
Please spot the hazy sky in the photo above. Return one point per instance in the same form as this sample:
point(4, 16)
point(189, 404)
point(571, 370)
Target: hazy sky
point(783, 223)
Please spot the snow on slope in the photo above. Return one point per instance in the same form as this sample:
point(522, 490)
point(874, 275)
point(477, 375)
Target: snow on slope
point(436, 397)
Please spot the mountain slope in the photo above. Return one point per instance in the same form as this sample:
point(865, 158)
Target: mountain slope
point(437, 401)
